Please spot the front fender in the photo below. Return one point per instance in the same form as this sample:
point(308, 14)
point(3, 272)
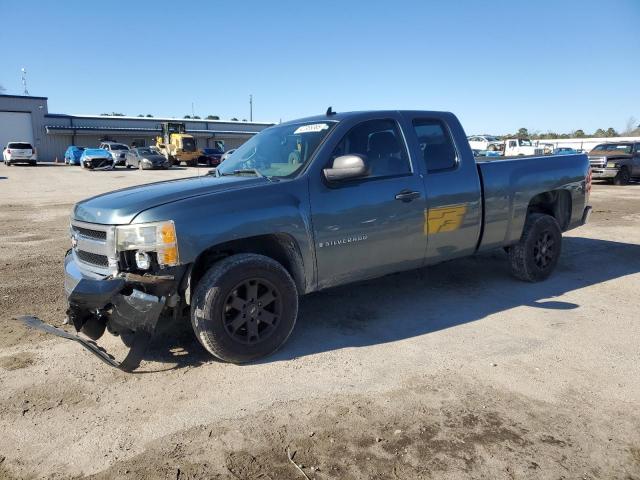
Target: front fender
point(208, 220)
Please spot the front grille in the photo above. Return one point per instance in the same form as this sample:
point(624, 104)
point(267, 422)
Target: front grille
point(93, 258)
point(100, 162)
point(94, 247)
point(598, 162)
point(86, 232)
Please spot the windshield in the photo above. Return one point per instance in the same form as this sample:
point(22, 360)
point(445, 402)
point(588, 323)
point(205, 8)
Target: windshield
point(492, 139)
point(278, 151)
point(525, 143)
point(613, 147)
point(116, 146)
point(145, 151)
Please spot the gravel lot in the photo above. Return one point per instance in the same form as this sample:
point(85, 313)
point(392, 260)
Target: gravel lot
point(458, 371)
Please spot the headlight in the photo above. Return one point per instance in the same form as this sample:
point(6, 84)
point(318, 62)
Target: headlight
point(612, 165)
point(158, 237)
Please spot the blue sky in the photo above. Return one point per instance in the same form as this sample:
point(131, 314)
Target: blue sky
point(499, 65)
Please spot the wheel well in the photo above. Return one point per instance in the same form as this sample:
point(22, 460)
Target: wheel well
point(556, 203)
point(280, 247)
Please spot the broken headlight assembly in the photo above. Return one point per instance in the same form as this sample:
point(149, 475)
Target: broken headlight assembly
point(145, 239)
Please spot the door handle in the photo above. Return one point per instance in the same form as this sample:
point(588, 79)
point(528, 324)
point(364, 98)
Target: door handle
point(407, 195)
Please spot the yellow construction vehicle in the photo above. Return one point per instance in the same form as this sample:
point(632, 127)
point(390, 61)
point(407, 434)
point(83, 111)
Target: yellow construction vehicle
point(176, 145)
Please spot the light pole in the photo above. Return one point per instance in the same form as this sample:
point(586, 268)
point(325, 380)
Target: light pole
point(24, 81)
point(251, 108)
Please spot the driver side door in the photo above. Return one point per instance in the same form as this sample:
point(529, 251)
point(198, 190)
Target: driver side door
point(370, 226)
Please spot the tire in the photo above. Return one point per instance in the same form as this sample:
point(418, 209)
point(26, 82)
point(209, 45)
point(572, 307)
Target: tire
point(536, 255)
point(127, 166)
point(33, 164)
point(225, 319)
point(492, 148)
point(94, 328)
point(623, 177)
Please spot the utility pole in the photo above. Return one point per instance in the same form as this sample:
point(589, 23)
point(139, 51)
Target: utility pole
point(251, 108)
point(193, 110)
point(24, 81)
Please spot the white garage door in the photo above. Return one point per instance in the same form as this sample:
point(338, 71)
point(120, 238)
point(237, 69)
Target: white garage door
point(15, 127)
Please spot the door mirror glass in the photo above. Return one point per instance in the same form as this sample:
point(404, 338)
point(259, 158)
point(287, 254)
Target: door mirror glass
point(346, 167)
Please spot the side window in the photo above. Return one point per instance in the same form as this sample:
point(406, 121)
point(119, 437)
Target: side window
point(637, 148)
point(513, 144)
point(436, 145)
point(381, 143)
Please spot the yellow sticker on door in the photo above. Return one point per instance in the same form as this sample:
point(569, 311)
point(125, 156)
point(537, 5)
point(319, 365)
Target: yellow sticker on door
point(444, 219)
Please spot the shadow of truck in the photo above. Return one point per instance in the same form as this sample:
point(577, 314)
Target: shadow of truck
point(419, 302)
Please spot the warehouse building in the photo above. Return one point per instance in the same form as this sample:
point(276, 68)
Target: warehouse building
point(25, 118)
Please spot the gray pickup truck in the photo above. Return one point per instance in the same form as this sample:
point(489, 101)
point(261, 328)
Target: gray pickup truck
point(303, 206)
point(617, 162)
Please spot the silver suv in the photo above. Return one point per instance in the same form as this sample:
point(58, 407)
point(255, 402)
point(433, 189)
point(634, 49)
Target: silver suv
point(118, 151)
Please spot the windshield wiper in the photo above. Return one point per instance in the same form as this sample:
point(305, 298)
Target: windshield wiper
point(243, 171)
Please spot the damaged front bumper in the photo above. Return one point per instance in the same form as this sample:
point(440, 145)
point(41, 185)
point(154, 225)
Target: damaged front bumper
point(126, 304)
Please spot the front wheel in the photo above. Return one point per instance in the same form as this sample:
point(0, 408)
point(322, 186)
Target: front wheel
point(245, 307)
point(536, 255)
point(622, 177)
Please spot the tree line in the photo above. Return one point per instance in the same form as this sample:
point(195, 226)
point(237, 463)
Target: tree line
point(632, 129)
point(187, 117)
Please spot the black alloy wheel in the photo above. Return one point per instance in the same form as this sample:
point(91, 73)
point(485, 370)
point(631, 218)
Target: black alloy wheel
point(252, 310)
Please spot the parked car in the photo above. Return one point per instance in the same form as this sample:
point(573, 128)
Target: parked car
point(118, 151)
point(19, 152)
point(96, 159)
point(616, 162)
point(369, 194)
point(485, 142)
point(487, 153)
point(210, 156)
point(565, 151)
point(227, 154)
point(72, 155)
point(145, 158)
point(514, 147)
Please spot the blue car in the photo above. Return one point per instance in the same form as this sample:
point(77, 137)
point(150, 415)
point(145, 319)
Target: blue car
point(565, 151)
point(73, 154)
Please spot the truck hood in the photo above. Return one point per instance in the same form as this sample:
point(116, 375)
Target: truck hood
point(121, 206)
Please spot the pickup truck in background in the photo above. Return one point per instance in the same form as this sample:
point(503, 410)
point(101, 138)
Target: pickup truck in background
point(514, 147)
point(617, 162)
point(302, 206)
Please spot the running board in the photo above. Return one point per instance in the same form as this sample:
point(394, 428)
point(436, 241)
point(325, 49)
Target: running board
point(131, 361)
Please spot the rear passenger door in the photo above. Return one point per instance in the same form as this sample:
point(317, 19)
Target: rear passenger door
point(453, 211)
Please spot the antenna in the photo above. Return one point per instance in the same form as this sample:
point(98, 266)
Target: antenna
point(24, 81)
point(330, 112)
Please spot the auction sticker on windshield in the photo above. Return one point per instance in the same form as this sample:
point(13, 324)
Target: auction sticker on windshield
point(315, 127)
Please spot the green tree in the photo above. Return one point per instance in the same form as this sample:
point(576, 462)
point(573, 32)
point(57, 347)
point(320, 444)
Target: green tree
point(149, 115)
point(611, 132)
point(195, 116)
point(599, 133)
point(112, 114)
point(523, 132)
point(213, 117)
point(234, 119)
point(140, 115)
point(579, 133)
point(187, 116)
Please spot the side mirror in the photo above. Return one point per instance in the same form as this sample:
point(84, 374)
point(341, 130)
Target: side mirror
point(346, 167)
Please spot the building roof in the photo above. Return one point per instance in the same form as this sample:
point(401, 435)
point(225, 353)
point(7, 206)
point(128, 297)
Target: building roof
point(23, 96)
point(65, 129)
point(161, 119)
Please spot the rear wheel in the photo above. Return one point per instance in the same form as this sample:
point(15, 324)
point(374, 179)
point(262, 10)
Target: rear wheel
point(623, 177)
point(536, 255)
point(244, 307)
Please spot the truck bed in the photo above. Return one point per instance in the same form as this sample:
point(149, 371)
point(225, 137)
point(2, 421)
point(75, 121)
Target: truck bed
point(510, 183)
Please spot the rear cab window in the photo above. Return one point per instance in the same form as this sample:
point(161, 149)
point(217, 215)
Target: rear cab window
point(20, 146)
point(438, 151)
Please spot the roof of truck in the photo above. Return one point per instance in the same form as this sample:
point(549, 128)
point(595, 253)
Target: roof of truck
point(338, 116)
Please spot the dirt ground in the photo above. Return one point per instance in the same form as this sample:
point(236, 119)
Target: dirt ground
point(453, 372)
